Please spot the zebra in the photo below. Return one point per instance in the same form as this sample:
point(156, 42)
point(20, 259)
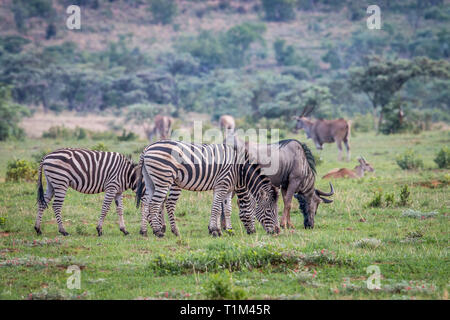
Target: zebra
point(89, 172)
point(177, 165)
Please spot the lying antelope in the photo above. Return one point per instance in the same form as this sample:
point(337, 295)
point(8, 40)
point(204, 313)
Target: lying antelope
point(325, 131)
point(357, 172)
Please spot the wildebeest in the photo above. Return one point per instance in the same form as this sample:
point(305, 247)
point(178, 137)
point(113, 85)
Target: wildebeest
point(289, 164)
point(325, 131)
point(162, 127)
point(227, 124)
point(357, 172)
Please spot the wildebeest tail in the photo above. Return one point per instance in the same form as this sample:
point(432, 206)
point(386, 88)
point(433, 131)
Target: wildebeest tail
point(40, 192)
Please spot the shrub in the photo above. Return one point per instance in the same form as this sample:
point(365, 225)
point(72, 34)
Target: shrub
point(37, 157)
point(279, 10)
point(130, 136)
point(363, 123)
point(389, 199)
point(408, 160)
point(163, 11)
point(21, 170)
point(220, 287)
point(56, 132)
point(377, 200)
point(443, 158)
point(10, 116)
point(404, 196)
point(100, 147)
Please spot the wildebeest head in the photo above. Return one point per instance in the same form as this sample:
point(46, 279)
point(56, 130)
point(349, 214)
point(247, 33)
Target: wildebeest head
point(309, 204)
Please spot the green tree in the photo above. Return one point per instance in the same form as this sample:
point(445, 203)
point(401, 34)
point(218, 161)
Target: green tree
point(279, 10)
point(10, 115)
point(381, 79)
point(163, 11)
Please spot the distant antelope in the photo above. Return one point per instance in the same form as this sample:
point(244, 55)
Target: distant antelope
point(325, 131)
point(227, 124)
point(162, 128)
point(358, 172)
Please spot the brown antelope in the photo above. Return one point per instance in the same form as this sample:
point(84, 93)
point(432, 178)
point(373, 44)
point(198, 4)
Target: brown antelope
point(325, 131)
point(356, 173)
point(227, 124)
point(162, 128)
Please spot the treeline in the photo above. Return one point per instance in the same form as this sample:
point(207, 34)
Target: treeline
point(230, 71)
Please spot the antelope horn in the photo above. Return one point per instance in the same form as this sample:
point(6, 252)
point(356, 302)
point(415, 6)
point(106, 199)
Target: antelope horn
point(311, 109)
point(325, 194)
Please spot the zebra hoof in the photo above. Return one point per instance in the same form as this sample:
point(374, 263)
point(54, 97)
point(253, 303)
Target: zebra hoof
point(158, 233)
point(143, 233)
point(64, 233)
point(251, 231)
point(163, 229)
point(38, 230)
point(175, 232)
point(216, 233)
point(125, 232)
point(99, 231)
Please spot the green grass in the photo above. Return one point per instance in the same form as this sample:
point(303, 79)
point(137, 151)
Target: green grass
point(328, 262)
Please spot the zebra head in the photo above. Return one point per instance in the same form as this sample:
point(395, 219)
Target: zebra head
point(309, 202)
point(262, 205)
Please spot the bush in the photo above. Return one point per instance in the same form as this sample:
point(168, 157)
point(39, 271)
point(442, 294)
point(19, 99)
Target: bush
point(363, 123)
point(10, 116)
point(21, 170)
point(100, 147)
point(279, 10)
point(443, 158)
point(220, 287)
point(408, 160)
point(163, 11)
point(130, 136)
point(404, 196)
point(377, 200)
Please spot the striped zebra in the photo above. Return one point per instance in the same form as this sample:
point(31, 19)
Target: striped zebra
point(174, 165)
point(88, 172)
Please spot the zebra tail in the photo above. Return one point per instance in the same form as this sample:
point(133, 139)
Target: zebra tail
point(40, 193)
point(141, 184)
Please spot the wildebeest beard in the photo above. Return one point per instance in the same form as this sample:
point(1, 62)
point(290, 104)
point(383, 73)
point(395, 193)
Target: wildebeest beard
point(304, 207)
point(303, 204)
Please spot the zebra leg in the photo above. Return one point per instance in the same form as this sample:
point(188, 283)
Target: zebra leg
point(110, 194)
point(119, 207)
point(154, 216)
point(60, 194)
point(144, 213)
point(48, 197)
point(225, 219)
point(214, 222)
point(171, 203)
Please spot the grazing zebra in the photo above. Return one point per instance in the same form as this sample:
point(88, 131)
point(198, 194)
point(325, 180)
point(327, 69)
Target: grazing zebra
point(88, 172)
point(178, 165)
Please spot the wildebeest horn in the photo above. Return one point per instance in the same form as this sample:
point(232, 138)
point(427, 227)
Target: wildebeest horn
point(325, 194)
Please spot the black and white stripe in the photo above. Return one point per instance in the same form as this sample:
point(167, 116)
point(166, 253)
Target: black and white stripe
point(88, 172)
point(174, 165)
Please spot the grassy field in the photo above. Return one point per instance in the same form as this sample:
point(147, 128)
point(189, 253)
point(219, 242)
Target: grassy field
point(328, 262)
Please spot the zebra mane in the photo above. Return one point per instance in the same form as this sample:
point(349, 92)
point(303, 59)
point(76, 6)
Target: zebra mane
point(306, 150)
